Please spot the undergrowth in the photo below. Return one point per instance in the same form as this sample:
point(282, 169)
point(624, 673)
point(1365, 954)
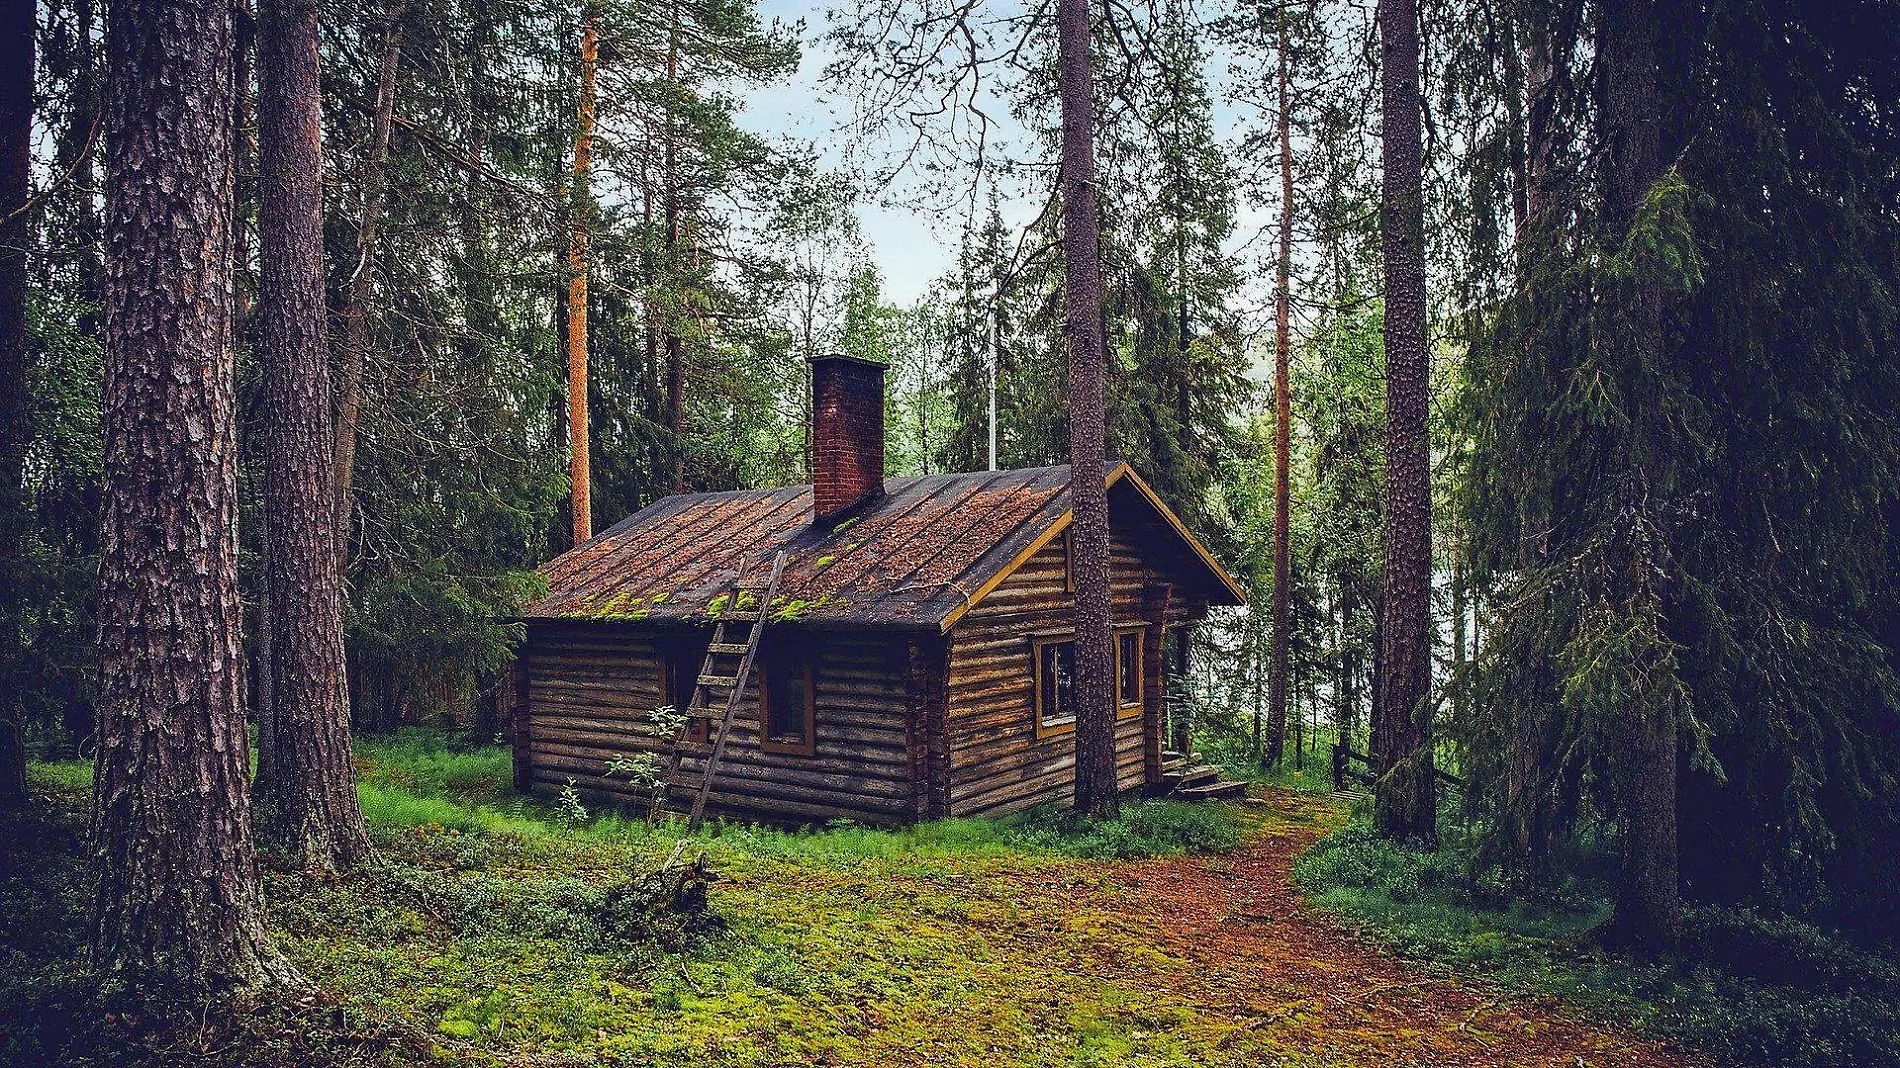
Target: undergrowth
point(1745, 988)
point(488, 929)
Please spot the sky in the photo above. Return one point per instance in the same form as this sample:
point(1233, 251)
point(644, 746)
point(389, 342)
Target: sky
point(912, 248)
point(908, 250)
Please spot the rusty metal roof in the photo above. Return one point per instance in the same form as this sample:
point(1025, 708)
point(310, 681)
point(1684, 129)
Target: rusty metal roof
point(911, 559)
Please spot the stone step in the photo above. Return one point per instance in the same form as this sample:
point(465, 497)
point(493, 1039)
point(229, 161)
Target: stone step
point(1220, 789)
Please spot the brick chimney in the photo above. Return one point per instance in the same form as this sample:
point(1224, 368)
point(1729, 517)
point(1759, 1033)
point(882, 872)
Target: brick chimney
point(847, 435)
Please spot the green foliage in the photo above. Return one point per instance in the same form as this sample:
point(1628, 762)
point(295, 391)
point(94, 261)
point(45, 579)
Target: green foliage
point(1634, 511)
point(1143, 828)
point(1745, 990)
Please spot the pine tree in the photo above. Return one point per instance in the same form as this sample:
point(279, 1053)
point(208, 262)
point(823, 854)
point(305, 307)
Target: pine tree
point(177, 905)
point(313, 807)
point(17, 33)
point(1095, 785)
point(581, 503)
point(1406, 805)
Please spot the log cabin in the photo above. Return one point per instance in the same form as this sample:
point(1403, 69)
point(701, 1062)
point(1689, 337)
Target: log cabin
point(914, 664)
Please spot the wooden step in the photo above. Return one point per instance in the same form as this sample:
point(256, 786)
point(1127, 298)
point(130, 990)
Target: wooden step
point(720, 682)
point(726, 649)
point(1194, 776)
point(739, 615)
point(1220, 789)
point(1171, 755)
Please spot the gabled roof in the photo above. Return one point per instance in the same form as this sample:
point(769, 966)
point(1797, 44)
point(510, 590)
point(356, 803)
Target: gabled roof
point(915, 558)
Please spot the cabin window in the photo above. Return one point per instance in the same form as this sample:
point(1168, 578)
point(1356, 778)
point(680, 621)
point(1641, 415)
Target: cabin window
point(1128, 669)
point(679, 675)
point(1055, 686)
point(787, 705)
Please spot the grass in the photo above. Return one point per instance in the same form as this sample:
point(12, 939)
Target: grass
point(492, 929)
point(1746, 989)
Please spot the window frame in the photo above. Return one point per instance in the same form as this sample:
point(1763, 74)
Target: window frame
point(1037, 643)
point(1129, 709)
point(800, 669)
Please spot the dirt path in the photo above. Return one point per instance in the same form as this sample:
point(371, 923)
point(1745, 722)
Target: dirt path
point(1257, 955)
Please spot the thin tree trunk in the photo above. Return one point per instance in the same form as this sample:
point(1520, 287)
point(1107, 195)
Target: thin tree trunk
point(1180, 711)
point(1095, 792)
point(675, 348)
point(1346, 682)
point(315, 817)
point(353, 316)
point(1282, 430)
point(177, 906)
point(1649, 901)
point(17, 32)
point(1405, 803)
point(577, 257)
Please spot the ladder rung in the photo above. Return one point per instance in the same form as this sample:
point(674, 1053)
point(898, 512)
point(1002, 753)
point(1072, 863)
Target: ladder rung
point(740, 615)
point(720, 681)
point(726, 648)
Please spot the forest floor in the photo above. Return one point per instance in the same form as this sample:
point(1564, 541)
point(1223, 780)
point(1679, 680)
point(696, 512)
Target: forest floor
point(490, 933)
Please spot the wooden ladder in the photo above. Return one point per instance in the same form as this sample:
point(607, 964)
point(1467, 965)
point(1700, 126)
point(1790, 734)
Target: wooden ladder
point(713, 676)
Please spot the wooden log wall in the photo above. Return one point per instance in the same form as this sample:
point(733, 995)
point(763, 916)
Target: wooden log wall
point(589, 688)
point(997, 764)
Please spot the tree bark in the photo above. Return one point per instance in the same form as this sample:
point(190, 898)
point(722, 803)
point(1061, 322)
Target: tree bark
point(314, 815)
point(1282, 431)
point(1649, 899)
point(1095, 792)
point(675, 348)
point(582, 506)
point(17, 32)
point(353, 316)
point(177, 907)
point(1405, 804)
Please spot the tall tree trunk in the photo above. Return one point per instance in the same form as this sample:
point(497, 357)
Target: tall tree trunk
point(1095, 792)
point(17, 29)
point(675, 348)
point(1405, 802)
point(177, 907)
point(577, 256)
point(1282, 429)
point(1649, 901)
point(314, 813)
point(353, 316)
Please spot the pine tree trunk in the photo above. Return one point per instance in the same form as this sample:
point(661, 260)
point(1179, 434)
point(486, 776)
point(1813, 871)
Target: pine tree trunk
point(1649, 901)
point(1346, 681)
point(17, 31)
point(177, 907)
point(675, 348)
point(1282, 431)
point(314, 813)
point(353, 316)
point(1405, 802)
point(577, 256)
point(1095, 792)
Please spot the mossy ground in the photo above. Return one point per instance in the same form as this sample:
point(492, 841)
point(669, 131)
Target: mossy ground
point(1169, 938)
